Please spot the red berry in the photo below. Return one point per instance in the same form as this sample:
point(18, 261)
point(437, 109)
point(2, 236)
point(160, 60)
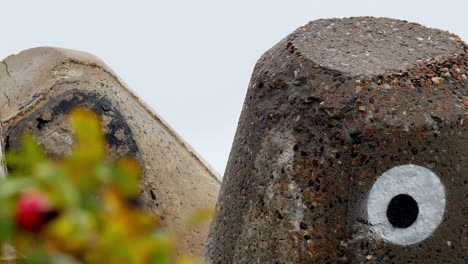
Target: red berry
point(31, 211)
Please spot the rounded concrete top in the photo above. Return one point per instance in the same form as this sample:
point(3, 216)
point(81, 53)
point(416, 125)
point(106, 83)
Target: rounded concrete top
point(373, 46)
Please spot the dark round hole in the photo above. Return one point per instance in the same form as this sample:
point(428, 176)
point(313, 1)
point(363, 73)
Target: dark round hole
point(402, 211)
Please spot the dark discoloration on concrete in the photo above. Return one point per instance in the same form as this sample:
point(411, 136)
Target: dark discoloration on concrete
point(51, 121)
point(314, 135)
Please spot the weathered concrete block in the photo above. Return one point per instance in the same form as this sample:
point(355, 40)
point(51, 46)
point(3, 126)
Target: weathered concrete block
point(38, 88)
point(352, 147)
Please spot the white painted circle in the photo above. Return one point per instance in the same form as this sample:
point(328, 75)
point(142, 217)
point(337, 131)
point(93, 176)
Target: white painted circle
point(426, 189)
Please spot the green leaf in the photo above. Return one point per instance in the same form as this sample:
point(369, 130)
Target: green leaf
point(90, 142)
point(126, 176)
point(35, 257)
point(165, 244)
point(24, 160)
point(7, 229)
point(61, 258)
point(12, 186)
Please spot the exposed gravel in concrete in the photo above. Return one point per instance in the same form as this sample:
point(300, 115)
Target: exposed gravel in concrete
point(322, 121)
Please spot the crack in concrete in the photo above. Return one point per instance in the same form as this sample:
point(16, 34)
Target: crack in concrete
point(6, 68)
point(8, 98)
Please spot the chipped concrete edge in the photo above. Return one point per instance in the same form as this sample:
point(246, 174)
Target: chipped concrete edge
point(90, 60)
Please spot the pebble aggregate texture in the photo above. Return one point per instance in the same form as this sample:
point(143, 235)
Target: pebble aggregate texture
point(329, 109)
point(39, 87)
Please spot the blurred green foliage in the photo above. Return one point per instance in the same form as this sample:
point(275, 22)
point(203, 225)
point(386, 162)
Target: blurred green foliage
point(96, 218)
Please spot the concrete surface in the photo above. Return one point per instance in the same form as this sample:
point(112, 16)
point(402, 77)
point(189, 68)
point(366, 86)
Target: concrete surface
point(38, 88)
point(330, 109)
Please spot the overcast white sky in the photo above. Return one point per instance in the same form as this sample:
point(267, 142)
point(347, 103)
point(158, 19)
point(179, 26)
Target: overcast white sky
point(192, 60)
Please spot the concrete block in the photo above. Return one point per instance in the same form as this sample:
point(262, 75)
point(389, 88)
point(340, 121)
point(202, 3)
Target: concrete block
point(351, 147)
point(38, 88)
